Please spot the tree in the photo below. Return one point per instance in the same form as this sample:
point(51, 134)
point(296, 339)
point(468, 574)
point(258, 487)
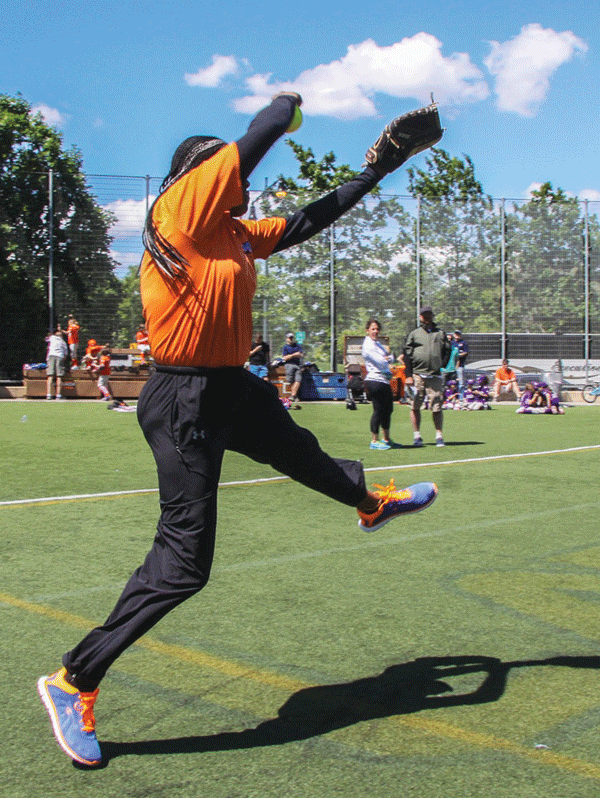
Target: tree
point(130, 312)
point(546, 263)
point(459, 242)
point(373, 274)
point(83, 269)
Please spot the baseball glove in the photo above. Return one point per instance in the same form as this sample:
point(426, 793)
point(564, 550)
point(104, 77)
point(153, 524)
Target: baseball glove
point(404, 137)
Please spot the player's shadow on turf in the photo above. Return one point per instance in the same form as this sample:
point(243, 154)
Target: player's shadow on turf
point(423, 684)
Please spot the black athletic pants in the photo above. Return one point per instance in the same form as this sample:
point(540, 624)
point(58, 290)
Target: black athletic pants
point(189, 419)
point(382, 399)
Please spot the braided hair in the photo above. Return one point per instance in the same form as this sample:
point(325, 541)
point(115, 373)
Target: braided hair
point(191, 152)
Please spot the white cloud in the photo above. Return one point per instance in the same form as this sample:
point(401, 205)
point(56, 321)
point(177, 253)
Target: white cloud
point(528, 193)
point(591, 194)
point(50, 115)
point(413, 67)
point(131, 216)
point(211, 77)
point(523, 66)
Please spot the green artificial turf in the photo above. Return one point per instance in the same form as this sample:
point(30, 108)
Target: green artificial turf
point(454, 653)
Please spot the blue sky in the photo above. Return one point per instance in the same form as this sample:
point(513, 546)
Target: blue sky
point(517, 82)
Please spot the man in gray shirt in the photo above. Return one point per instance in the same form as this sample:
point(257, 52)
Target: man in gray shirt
point(426, 351)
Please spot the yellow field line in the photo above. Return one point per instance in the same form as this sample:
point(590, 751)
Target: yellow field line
point(415, 722)
point(491, 741)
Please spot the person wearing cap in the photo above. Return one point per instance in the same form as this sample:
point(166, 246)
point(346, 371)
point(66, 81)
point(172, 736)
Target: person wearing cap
point(463, 353)
point(141, 339)
point(426, 352)
point(292, 354)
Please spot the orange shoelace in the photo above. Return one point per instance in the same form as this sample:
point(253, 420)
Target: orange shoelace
point(388, 493)
point(85, 707)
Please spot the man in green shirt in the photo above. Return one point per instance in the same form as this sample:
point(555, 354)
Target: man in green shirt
point(426, 352)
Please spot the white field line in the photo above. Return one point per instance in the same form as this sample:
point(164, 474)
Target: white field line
point(243, 482)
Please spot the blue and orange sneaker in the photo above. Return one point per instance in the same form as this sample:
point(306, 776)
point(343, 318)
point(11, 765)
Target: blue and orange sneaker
point(393, 503)
point(72, 716)
point(382, 445)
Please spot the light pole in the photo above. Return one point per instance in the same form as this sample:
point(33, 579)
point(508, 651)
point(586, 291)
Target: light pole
point(51, 249)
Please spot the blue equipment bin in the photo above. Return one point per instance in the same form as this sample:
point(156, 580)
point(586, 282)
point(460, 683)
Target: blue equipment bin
point(324, 385)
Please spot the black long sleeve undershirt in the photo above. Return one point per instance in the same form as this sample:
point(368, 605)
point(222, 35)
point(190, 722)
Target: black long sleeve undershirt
point(268, 126)
point(319, 214)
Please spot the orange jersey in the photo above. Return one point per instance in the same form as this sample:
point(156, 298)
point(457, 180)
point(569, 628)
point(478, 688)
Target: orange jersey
point(205, 319)
point(141, 337)
point(73, 333)
point(104, 365)
point(505, 375)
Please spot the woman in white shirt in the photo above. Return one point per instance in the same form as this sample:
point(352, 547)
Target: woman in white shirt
point(377, 383)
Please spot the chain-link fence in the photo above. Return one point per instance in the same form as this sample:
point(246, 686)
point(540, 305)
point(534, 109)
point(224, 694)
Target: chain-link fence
point(518, 277)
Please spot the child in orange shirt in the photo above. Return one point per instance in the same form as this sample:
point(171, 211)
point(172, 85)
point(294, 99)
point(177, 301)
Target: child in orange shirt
point(101, 368)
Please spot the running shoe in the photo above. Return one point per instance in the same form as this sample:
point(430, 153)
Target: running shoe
point(72, 716)
point(381, 445)
point(439, 442)
point(394, 502)
point(418, 442)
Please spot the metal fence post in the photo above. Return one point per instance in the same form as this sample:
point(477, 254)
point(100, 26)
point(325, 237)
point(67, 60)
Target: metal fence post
point(418, 258)
point(332, 297)
point(503, 278)
point(51, 249)
point(586, 282)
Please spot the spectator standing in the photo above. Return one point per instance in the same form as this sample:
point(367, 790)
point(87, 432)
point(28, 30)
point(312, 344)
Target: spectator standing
point(101, 369)
point(450, 369)
point(399, 379)
point(259, 358)
point(292, 355)
point(463, 353)
point(377, 382)
point(426, 352)
point(143, 344)
point(56, 358)
point(73, 328)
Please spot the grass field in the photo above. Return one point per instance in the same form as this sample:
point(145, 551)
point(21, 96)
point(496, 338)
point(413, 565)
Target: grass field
point(454, 653)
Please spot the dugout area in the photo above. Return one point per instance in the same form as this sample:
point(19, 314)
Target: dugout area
point(453, 653)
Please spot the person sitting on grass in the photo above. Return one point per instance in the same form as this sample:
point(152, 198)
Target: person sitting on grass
point(552, 405)
point(481, 394)
point(532, 402)
point(451, 396)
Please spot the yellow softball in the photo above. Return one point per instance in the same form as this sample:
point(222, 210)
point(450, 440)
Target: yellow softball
point(296, 120)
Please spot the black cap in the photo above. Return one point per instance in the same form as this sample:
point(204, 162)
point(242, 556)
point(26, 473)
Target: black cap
point(427, 309)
